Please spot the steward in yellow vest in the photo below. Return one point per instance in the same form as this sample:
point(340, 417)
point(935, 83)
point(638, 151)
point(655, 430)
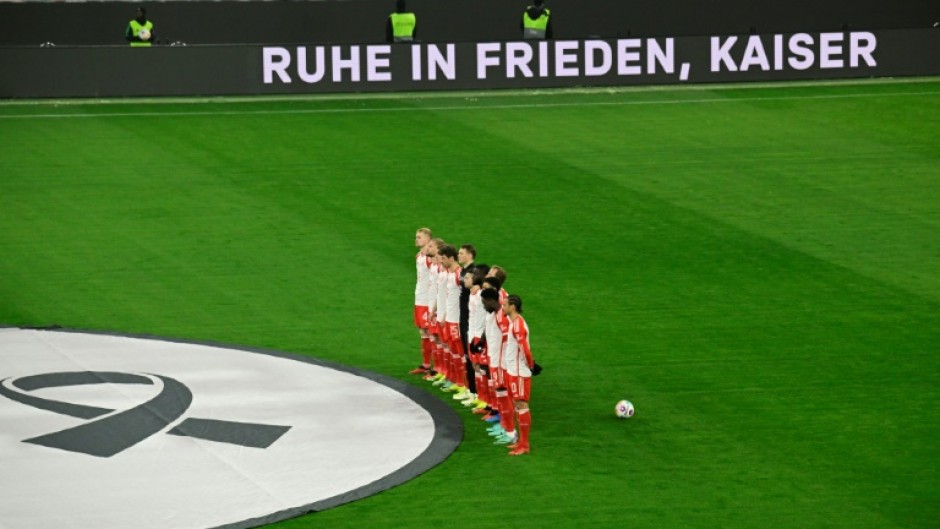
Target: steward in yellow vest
point(537, 22)
point(139, 30)
point(401, 24)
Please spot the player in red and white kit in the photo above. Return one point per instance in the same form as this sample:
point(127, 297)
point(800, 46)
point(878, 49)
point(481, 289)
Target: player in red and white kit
point(446, 382)
point(518, 365)
point(499, 273)
point(434, 329)
point(451, 315)
point(423, 269)
point(497, 328)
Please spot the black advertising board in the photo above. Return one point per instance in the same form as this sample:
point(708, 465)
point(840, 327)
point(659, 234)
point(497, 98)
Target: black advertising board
point(106, 71)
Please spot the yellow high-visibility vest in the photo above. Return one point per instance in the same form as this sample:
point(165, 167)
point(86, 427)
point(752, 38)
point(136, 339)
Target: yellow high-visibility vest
point(135, 31)
point(535, 29)
point(403, 26)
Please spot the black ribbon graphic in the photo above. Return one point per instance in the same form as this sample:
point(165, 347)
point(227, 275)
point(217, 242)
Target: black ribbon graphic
point(108, 433)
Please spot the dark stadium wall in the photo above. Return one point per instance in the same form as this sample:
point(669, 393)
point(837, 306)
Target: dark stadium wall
point(363, 21)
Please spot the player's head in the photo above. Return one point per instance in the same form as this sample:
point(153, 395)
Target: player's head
point(448, 255)
point(474, 277)
point(492, 282)
point(498, 272)
point(538, 3)
point(513, 304)
point(400, 6)
point(422, 237)
point(141, 13)
point(466, 254)
point(490, 297)
point(434, 245)
point(481, 268)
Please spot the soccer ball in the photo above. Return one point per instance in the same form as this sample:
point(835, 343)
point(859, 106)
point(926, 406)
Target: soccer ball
point(624, 409)
point(144, 34)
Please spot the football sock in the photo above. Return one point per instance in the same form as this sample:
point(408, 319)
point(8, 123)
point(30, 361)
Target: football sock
point(481, 386)
point(505, 409)
point(426, 352)
point(439, 365)
point(462, 365)
point(445, 361)
point(451, 371)
point(525, 423)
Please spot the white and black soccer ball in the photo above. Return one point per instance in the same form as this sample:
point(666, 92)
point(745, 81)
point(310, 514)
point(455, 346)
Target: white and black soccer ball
point(624, 409)
point(144, 34)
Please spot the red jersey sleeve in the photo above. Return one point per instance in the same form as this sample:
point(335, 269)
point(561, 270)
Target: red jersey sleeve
point(521, 332)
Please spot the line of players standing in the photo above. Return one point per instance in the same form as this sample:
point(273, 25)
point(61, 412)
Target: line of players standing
point(474, 340)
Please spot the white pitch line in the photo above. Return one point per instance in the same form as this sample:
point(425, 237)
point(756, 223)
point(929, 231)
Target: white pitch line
point(464, 107)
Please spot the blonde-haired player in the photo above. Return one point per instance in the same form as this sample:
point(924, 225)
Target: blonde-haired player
point(423, 269)
point(435, 329)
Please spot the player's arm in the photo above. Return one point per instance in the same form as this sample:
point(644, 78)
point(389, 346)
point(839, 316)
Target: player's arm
point(523, 338)
point(441, 298)
point(477, 326)
point(432, 294)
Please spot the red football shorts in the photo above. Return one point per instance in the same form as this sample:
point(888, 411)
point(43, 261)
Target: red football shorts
point(453, 337)
point(421, 316)
point(519, 387)
point(497, 375)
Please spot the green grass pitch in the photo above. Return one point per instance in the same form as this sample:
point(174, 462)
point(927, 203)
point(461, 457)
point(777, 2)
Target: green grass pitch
point(756, 267)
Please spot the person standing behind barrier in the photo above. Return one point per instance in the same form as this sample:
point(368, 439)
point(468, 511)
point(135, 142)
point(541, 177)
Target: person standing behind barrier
point(139, 30)
point(537, 22)
point(401, 24)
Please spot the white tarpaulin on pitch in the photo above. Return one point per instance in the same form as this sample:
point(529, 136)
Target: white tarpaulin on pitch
point(105, 431)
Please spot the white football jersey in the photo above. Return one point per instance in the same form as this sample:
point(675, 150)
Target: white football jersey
point(476, 316)
point(495, 323)
point(432, 287)
point(453, 296)
point(423, 269)
point(517, 343)
point(441, 293)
